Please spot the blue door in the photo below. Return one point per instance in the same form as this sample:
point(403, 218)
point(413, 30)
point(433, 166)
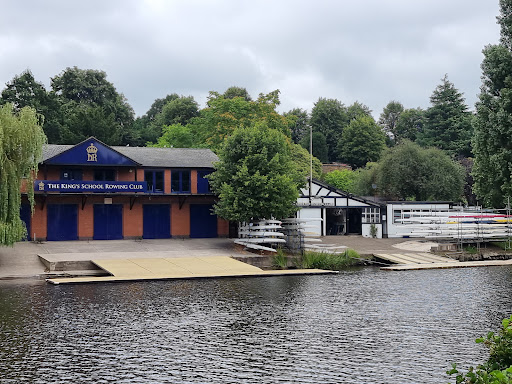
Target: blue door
point(203, 223)
point(108, 221)
point(62, 222)
point(25, 216)
point(156, 221)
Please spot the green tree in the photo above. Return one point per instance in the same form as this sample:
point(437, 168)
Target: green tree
point(389, 118)
point(142, 124)
point(299, 120)
point(302, 161)
point(448, 124)
point(343, 179)
point(329, 117)
point(234, 91)
point(25, 91)
point(409, 124)
point(357, 110)
point(361, 142)
point(493, 126)
point(409, 172)
point(86, 91)
point(319, 146)
point(222, 116)
point(21, 143)
point(255, 177)
point(175, 136)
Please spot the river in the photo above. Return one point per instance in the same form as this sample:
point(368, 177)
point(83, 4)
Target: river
point(361, 326)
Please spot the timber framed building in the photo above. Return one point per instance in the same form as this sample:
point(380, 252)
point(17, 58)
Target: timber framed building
point(95, 191)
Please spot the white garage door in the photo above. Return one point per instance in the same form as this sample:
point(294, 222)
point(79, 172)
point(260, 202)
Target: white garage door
point(317, 224)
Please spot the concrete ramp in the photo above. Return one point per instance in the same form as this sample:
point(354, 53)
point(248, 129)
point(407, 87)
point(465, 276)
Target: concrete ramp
point(177, 268)
point(414, 258)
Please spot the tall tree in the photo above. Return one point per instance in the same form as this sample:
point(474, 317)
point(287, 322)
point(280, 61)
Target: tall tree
point(448, 124)
point(24, 91)
point(143, 124)
point(82, 89)
point(255, 177)
point(493, 127)
point(361, 142)
point(175, 136)
point(319, 145)
point(21, 143)
point(389, 118)
point(234, 91)
point(300, 124)
point(329, 117)
point(409, 124)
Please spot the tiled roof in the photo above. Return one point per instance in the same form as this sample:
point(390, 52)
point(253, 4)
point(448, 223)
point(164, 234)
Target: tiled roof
point(152, 157)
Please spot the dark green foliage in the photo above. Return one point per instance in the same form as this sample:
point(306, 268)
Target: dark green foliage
point(498, 368)
point(389, 118)
point(357, 110)
point(329, 117)
point(255, 177)
point(408, 171)
point(493, 126)
point(175, 136)
point(302, 162)
point(233, 92)
point(299, 123)
point(448, 124)
point(409, 125)
point(319, 145)
point(343, 179)
point(329, 261)
point(361, 142)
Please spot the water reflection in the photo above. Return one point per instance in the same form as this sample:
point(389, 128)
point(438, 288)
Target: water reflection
point(362, 326)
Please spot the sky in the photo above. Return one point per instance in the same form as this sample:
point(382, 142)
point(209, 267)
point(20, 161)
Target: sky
point(371, 51)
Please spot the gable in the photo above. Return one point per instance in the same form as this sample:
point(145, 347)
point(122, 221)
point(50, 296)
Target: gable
point(91, 152)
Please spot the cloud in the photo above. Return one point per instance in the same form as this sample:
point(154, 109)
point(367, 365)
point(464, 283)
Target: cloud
point(372, 51)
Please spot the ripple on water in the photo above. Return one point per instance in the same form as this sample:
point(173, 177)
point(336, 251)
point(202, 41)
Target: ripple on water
point(361, 326)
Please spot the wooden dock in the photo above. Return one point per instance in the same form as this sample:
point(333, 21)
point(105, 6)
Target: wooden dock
point(417, 261)
point(137, 269)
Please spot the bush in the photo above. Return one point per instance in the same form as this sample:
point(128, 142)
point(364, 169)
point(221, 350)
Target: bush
point(330, 261)
point(498, 368)
point(280, 260)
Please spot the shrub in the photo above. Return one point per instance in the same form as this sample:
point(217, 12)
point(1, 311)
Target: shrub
point(330, 261)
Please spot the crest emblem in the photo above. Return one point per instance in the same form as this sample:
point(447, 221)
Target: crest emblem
point(41, 186)
point(92, 153)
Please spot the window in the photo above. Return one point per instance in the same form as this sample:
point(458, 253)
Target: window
point(155, 181)
point(104, 175)
point(203, 185)
point(180, 181)
point(71, 174)
point(371, 215)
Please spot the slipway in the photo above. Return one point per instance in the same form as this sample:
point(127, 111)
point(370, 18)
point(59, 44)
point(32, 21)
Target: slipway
point(140, 269)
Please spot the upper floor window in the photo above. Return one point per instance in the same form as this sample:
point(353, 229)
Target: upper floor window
point(155, 181)
point(180, 181)
point(71, 174)
point(203, 186)
point(104, 175)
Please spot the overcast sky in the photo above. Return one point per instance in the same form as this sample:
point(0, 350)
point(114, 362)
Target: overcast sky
point(371, 51)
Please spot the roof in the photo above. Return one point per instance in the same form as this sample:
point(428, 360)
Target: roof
point(151, 157)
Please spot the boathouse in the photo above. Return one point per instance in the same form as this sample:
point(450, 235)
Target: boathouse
point(95, 191)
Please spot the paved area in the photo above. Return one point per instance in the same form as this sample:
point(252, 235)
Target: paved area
point(177, 268)
point(22, 260)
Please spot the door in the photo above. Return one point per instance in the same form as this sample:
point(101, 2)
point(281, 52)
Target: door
point(108, 222)
point(203, 224)
point(25, 216)
point(156, 221)
point(62, 222)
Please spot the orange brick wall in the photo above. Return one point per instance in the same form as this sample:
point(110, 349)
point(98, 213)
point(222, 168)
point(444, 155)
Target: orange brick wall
point(86, 219)
point(140, 174)
point(124, 174)
point(38, 225)
point(222, 227)
point(180, 220)
point(193, 181)
point(132, 219)
point(167, 181)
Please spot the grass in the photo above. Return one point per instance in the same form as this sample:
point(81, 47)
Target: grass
point(280, 260)
point(330, 261)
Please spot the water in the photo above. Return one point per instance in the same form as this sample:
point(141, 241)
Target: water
point(362, 326)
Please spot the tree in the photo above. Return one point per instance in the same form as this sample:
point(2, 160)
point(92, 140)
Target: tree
point(448, 124)
point(222, 117)
point(409, 124)
point(233, 92)
point(87, 91)
point(25, 91)
point(175, 136)
point(21, 142)
point(389, 117)
point(362, 141)
point(343, 179)
point(408, 171)
point(319, 145)
point(302, 161)
point(493, 126)
point(329, 117)
point(255, 177)
point(299, 125)
point(358, 110)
